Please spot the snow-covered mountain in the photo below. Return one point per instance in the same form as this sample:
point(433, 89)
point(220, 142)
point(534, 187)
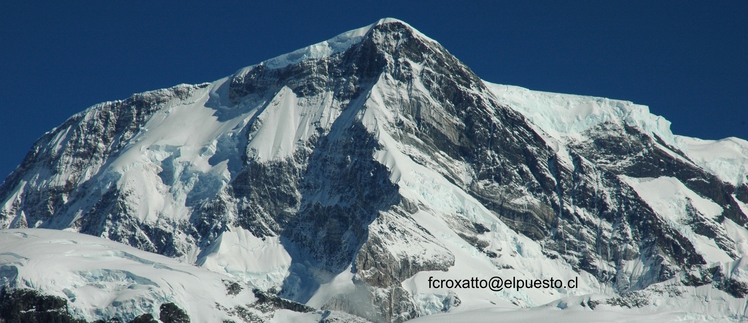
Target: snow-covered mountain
point(349, 174)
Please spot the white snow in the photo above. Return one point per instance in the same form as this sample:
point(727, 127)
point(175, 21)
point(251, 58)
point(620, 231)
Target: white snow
point(568, 116)
point(565, 117)
point(668, 197)
point(285, 316)
point(277, 142)
point(727, 158)
point(329, 47)
point(290, 123)
point(238, 253)
point(340, 284)
point(102, 279)
point(319, 50)
point(739, 235)
point(665, 302)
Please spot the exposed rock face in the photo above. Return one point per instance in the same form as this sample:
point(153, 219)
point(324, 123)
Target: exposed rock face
point(361, 162)
point(29, 306)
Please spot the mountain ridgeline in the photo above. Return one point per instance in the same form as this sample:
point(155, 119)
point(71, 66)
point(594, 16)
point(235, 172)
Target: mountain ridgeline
point(344, 174)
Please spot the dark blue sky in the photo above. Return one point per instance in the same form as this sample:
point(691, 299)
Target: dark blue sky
point(687, 60)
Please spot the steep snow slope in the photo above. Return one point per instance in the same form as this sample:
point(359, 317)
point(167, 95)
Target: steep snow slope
point(567, 117)
point(670, 198)
point(726, 158)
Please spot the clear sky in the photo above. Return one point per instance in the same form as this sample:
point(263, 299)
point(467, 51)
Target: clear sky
point(687, 60)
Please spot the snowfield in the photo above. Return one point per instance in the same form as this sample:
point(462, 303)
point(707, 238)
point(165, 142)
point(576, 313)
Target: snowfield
point(102, 279)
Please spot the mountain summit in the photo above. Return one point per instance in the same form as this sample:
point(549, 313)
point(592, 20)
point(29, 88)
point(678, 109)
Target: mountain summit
point(350, 174)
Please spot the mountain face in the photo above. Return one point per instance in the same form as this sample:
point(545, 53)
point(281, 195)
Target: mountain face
point(344, 175)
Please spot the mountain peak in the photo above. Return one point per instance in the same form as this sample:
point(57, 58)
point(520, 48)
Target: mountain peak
point(388, 20)
point(402, 25)
point(336, 44)
point(364, 52)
